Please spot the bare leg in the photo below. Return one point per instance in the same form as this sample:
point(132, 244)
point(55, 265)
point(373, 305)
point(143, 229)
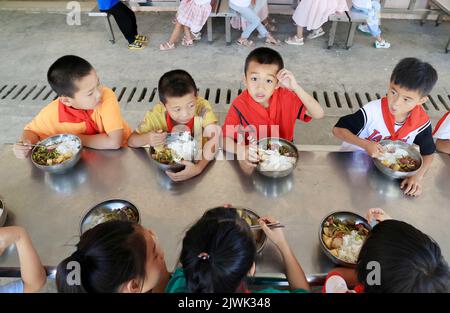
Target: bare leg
point(175, 34)
point(299, 32)
point(187, 33)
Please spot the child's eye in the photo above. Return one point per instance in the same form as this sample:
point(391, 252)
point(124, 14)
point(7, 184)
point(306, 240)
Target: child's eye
point(269, 81)
point(253, 79)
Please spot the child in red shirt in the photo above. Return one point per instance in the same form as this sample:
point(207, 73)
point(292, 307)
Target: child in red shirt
point(269, 107)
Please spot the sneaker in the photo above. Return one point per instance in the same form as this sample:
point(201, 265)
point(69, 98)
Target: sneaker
point(383, 44)
point(136, 45)
point(316, 33)
point(364, 28)
point(294, 41)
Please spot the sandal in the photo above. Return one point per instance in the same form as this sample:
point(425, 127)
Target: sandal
point(246, 43)
point(295, 41)
point(187, 42)
point(166, 46)
point(141, 38)
point(136, 45)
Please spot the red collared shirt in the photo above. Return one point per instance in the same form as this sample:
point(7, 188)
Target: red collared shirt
point(278, 120)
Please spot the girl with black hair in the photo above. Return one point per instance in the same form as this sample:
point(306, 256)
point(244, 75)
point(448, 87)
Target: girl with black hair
point(219, 251)
point(116, 256)
point(395, 258)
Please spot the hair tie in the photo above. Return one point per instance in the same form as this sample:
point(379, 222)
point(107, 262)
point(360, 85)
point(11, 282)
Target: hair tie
point(203, 256)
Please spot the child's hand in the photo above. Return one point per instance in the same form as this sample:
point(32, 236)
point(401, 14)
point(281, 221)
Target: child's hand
point(22, 151)
point(374, 149)
point(276, 235)
point(189, 171)
point(157, 138)
point(412, 186)
point(287, 79)
point(376, 215)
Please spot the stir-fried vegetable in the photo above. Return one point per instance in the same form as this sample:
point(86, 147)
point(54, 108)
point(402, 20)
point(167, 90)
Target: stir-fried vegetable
point(50, 156)
point(163, 155)
point(403, 164)
point(334, 231)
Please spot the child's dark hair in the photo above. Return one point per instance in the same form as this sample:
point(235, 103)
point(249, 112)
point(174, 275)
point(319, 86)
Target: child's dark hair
point(176, 83)
point(65, 71)
point(218, 252)
point(109, 255)
point(413, 74)
point(264, 55)
point(410, 261)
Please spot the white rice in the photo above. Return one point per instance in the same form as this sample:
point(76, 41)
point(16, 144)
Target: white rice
point(391, 157)
point(183, 147)
point(351, 246)
point(272, 160)
point(69, 146)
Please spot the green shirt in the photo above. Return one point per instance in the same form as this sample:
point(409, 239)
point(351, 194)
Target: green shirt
point(177, 284)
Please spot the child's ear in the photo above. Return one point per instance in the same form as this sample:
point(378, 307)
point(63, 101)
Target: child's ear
point(66, 101)
point(423, 100)
point(132, 286)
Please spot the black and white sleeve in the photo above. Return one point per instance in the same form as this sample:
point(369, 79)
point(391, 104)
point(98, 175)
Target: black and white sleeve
point(353, 122)
point(424, 140)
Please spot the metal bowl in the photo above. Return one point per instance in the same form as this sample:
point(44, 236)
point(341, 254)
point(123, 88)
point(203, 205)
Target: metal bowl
point(175, 166)
point(3, 213)
point(412, 152)
point(258, 234)
point(88, 220)
point(292, 148)
point(64, 166)
point(342, 216)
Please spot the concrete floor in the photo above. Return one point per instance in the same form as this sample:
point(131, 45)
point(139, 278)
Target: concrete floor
point(32, 41)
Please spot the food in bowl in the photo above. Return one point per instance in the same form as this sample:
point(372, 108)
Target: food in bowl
point(276, 157)
point(55, 154)
point(398, 159)
point(252, 219)
point(103, 215)
point(181, 148)
point(344, 239)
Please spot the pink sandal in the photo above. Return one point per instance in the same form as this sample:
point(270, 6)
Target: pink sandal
point(187, 42)
point(166, 46)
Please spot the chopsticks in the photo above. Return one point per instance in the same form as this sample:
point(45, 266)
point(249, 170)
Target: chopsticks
point(271, 226)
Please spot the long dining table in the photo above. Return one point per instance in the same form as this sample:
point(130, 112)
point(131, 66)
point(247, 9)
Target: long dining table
point(50, 206)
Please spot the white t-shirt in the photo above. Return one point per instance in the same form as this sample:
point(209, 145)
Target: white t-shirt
point(442, 130)
point(241, 3)
point(363, 4)
point(368, 123)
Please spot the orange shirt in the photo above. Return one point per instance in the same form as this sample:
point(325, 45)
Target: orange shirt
point(106, 116)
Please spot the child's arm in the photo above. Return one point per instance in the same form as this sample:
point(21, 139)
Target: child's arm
point(443, 145)
point(247, 155)
point(153, 139)
point(288, 80)
point(28, 137)
point(294, 272)
point(31, 269)
point(373, 148)
point(112, 140)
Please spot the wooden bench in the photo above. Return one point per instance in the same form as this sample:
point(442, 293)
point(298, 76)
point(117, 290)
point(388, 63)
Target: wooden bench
point(220, 8)
point(97, 13)
point(444, 7)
